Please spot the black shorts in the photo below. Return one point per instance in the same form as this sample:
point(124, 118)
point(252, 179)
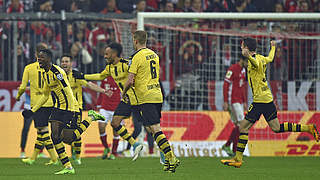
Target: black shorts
point(41, 117)
point(268, 110)
point(63, 116)
point(151, 113)
point(123, 109)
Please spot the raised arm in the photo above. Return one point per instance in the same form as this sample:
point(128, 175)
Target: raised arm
point(96, 77)
point(271, 53)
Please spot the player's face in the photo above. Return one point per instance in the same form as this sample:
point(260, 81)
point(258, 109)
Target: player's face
point(134, 43)
point(108, 55)
point(66, 64)
point(43, 60)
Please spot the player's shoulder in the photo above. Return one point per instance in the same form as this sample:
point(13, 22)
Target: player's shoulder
point(32, 65)
point(58, 71)
point(125, 61)
point(138, 53)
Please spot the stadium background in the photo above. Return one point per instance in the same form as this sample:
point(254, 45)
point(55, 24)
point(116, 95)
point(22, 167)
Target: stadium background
point(194, 57)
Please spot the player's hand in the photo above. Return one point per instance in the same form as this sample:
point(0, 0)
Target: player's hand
point(27, 113)
point(225, 106)
point(273, 43)
point(17, 98)
point(78, 75)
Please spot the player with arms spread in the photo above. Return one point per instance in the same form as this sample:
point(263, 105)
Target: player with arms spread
point(117, 68)
point(76, 86)
point(262, 101)
point(144, 77)
point(65, 107)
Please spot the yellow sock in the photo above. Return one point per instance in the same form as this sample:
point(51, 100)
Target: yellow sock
point(60, 149)
point(122, 131)
point(77, 147)
point(242, 142)
point(293, 127)
point(37, 146)
point(82, 127)
point(163, 144)
point(49, 146)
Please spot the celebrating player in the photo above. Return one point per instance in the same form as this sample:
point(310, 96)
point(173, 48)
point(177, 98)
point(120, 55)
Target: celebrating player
point(76, 86)
point(144, 76)
point(262, 101)
point(33, 73)
point(117, 68)
point(65, 107)
point(235, 102)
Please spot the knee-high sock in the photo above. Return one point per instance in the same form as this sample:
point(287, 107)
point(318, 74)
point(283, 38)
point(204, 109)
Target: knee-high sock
point(60, 149)
point(242, 142)
point(293, 127)
point(235, 139)
point(77, 147)
point(123, 132)
point(103, 138)
point(82, 127)
point(49, 145)
point(115, 144)
point(163, 144)
point(37, 146)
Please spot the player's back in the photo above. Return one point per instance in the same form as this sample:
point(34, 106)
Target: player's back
point(60, 88)
point(257, 80)
point(35, 76)
point(145, 65)
point(236, 77)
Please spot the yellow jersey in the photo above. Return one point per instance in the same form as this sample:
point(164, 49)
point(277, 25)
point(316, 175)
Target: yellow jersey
point(119, 72)
point(257, 66)
point(33, 73)
point(145, 65)
point(57, 83)
point(76, 86)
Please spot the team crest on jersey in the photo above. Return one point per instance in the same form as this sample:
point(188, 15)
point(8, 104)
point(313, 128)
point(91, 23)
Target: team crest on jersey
point(228, 75)
point(60, 77)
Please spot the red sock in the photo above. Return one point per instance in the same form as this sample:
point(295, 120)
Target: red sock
point(115, 144)
point(103, 139)
point(150, 150)
point(22, 149)
point(41, 151)
point(231, 137)
point(235, 139)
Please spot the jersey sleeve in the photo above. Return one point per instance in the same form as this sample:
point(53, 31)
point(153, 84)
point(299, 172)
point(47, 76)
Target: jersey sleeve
point(134, 64)
point(271, 55)
point(98, 76)
point(44, 97)
point(83, 82)
point(25, 80)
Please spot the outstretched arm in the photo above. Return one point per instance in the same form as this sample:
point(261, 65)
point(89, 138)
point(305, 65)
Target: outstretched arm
point(272, 52)
point(95, 87)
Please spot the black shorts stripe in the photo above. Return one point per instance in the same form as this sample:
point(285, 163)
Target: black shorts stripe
point(123, 133)
point(162, 141)
point(240, 149)
point(66, 99)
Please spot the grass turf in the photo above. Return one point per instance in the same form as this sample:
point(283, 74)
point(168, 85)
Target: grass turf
point(254, 168)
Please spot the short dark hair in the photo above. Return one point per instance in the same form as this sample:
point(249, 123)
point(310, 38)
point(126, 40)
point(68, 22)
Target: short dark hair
point(40, 46)
point(140, 36)
point(250, 43)
point(67, 55)
point(116, 47)
point(47, 52)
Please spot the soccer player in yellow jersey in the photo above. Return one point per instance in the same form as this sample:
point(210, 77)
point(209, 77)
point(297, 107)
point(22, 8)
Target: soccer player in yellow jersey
point(33, 73)
point(65, 107)
point(76, 86)
point(118, 69)
point(144, 77)
point(262, 101)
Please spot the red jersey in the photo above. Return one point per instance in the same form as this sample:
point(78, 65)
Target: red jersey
point(234, 90)
point(111, 102)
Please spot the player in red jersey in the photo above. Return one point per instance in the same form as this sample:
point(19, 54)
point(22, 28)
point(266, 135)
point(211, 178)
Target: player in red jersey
point(107, 103)
point(235, 98)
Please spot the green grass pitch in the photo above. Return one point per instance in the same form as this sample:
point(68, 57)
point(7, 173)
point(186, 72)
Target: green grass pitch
point(255, 168)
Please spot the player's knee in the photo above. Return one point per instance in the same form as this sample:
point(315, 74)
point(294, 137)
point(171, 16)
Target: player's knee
point(115, 122)
point(275, 129)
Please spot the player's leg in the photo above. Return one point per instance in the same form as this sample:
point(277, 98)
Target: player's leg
point(226, 146)
point(24, 135)
point(78, 142)
point(103, 138)
point(239, 116)
point(150, 140)
point(123, 111)
point(271, 118)
point(137, 126)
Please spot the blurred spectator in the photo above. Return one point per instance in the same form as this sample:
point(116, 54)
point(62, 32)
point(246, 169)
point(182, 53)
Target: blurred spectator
point(317, 7)
point(141, 6)
point(291, 5)
point(153, 5)
point(196, 6)
point(303, 6)
point(100, 33)
point(75, 6)
point(44, 6)
point(15, 6)
point(216, 6)
point(111, 7)
point(184, 6)
point(125, 6)
point(59, 5)
point(244, 6)
point(97, 5)
point(278, 7)
point(168, 7)
point(54, 45)
point(81, 55)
